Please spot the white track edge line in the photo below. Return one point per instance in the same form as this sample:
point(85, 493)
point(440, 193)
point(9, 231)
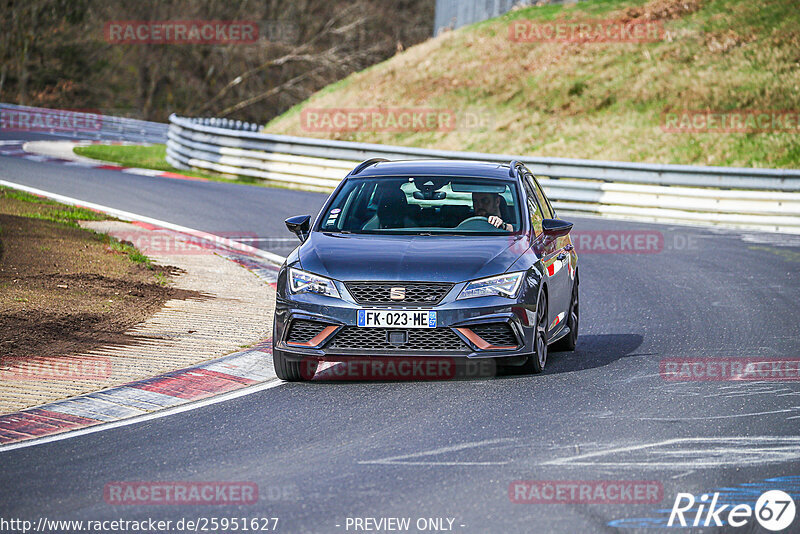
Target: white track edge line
point(128, 216)
point(189, 406)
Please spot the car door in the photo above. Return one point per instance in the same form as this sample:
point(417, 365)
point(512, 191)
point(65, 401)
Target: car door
point(556, 259)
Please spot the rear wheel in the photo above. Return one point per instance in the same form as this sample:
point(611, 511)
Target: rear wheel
point(568, 342)
point(538, 358)
point(293, 371)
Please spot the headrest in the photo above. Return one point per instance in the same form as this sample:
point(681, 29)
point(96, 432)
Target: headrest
point(392, 208)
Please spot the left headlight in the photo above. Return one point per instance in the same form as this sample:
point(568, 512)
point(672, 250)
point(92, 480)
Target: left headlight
point(505, 285)
point(303, 282)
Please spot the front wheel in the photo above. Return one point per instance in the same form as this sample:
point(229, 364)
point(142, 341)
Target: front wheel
point(538, 358)
point(292, 371)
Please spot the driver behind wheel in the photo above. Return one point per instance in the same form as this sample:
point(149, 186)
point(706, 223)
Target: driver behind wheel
point(488, 205)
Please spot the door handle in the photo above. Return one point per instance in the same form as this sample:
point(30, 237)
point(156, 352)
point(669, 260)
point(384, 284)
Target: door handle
point(562, 256)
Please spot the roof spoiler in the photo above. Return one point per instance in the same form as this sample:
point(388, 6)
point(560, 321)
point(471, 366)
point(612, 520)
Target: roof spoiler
point(512, 171)
point(364, 164)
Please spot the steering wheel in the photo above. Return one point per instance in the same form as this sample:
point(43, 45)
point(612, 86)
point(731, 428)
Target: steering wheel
point(477, 223)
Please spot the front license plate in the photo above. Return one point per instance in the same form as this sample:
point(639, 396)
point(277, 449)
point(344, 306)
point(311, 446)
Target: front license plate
point(396, 319)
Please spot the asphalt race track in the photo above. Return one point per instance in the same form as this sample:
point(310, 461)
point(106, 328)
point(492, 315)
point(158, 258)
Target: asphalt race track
point(323, 452)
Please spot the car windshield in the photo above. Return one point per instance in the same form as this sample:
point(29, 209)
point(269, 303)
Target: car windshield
point(424, 205)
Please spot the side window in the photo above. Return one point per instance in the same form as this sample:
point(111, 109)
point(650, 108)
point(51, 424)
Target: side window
point(533, 207)
point(548, 211)
point(332, 220)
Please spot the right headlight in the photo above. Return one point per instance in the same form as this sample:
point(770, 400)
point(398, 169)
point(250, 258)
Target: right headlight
point(303, 282)
point(505, 285)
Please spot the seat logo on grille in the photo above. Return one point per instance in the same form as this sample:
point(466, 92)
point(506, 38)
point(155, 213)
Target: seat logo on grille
point(397, 293)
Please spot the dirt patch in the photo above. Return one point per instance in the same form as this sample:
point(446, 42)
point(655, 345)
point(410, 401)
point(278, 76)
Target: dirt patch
point(65, 290)
point(663, 10)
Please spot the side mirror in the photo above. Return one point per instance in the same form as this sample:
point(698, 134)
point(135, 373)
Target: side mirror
point(555, 228)
point(299, 225)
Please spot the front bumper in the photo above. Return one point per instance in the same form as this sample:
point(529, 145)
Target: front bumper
point(326, 328)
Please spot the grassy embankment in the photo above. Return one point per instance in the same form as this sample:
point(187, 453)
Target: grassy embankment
point(593, 100)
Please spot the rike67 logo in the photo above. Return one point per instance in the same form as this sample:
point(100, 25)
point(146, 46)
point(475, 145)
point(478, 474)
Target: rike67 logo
point(774, 510)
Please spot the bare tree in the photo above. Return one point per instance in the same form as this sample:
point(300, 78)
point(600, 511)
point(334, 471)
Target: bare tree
point(54, 54)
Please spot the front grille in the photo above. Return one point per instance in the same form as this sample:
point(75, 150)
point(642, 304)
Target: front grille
point(422, 293)
point(303, 330)
point(423, 339)
point(498, 334)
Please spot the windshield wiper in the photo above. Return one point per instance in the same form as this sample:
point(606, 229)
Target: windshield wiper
point(437, 233)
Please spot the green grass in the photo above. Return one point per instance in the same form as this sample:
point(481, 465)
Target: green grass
point(26, 197)
point(140, 156)
point(144, 156)
point(124, 248)
point(152, 157)
point(55, 212)
point(52, 211)
point(69, 215)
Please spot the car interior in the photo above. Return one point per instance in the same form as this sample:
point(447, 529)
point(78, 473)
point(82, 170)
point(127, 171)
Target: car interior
point(393, 208)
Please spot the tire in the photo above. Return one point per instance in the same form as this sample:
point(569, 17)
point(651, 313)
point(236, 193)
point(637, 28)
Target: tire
point(538, 358)
point(293, 371)
point(568, 342)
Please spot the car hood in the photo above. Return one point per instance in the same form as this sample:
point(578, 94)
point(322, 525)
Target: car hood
point(350, 257)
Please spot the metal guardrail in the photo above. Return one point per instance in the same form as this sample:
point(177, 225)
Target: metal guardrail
point(765, 199)
point(80, 124)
